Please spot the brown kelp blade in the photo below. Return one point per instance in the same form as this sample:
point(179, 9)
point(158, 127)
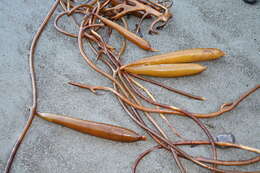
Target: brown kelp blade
point(97, 129)
point(140, 42)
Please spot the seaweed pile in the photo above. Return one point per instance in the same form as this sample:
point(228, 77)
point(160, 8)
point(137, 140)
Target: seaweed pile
point(95, 21)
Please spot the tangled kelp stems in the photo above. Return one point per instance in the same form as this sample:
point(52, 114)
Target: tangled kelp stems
point(205, 160)
point(117, 83)
point(125, 88)
point(93, 89)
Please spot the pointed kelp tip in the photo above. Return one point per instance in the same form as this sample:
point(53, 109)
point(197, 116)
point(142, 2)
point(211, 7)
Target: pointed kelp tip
point(203, 99)
point(217, 53)
point(143, 138)
point(154, 50)
point(220, 53)
point(203, 68)
point(199, 98)
point(73, 83)
point(41, 114)
point(45, 116)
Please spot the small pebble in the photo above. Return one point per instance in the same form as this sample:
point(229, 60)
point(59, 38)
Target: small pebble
point(228, 137)
point(250, 1)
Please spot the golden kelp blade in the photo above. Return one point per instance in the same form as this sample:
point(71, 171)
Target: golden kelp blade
point(140, 42)
point(183, 56)
point(167, 70)
point(98, 129)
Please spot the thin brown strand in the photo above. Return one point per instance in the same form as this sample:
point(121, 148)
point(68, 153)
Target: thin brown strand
point(222, 144)
point(34, 87)
point(162, 116)
point(202, 159)
point(180, 166)
point(231, 162)
point(167, 87)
